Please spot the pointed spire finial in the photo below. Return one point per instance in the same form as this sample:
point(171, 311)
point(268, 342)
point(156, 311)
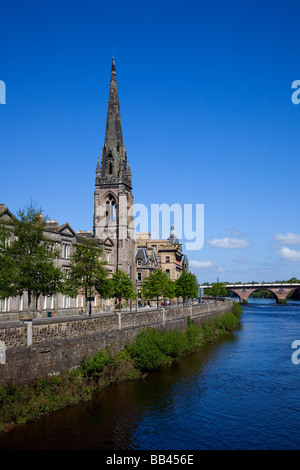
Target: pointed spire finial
point(113, 67)
point(98, 166)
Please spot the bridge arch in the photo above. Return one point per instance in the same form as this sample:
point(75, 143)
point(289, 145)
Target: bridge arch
point(245, 292)
point(280, 292)
point(267, 289)
point(293, 290)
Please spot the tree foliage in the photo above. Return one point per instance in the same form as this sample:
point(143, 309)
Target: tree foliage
point(217, 289)
point(187, 286)
point(121, 286)
point(156, 285)
point(86, 271)
point(26, 262)
point(8, 271)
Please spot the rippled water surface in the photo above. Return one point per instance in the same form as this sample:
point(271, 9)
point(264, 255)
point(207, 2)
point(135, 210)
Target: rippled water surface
point(239, 393)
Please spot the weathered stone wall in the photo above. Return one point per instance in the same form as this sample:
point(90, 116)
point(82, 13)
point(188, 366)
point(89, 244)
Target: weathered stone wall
point(46, 347)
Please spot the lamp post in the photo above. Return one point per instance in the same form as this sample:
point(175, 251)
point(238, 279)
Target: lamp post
point(136, 289)
point(131, 281)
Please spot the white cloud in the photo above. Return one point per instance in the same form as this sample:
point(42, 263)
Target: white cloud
point(205, 265)
point(201, 264)
point(241, 260)
point(290, 255)
point(288, 239)
point(229, 243)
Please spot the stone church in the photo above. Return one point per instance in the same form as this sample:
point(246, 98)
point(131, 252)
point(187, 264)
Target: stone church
point(113, 199)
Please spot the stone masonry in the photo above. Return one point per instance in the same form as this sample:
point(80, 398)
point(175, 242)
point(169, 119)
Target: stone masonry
point(46, 347)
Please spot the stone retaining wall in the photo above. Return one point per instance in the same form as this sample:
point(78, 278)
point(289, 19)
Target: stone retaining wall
point(46, 347)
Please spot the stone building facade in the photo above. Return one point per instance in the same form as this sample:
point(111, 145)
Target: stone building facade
point(63, 238)
point(154, 254)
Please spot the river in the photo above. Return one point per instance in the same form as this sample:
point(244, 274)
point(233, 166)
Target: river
point(242, 392)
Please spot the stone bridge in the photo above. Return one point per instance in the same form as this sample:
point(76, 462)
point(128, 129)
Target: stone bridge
point(243, 291)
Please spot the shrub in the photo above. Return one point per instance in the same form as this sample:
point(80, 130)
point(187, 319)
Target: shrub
point(172, 343)
point(93, 366)
point(145, 351)
point(228, 321)
point(236, 309)
point(208, 330)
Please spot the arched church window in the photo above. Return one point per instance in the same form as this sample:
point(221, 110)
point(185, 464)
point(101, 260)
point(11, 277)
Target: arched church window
point(110, 205)
point(113, 212)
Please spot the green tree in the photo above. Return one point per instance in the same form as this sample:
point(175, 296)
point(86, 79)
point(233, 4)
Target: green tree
point(8, 271)
point(86, 272)
point(169, 290)
point(105, 288)
point(187, 286)
point(27, 262)
point(121, 286)
point(217, 289)
point(156, 285)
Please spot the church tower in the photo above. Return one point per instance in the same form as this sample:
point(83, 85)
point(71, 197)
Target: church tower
point(113, 199)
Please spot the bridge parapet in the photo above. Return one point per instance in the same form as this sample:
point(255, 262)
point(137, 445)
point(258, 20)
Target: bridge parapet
point(265, 284)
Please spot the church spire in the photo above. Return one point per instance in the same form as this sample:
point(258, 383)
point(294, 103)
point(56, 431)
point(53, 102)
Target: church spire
point(114, 157)
point(113, 132)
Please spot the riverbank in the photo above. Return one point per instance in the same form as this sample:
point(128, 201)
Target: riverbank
point(151, 350)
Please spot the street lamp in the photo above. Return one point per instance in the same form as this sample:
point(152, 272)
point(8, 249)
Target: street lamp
point(136, 289)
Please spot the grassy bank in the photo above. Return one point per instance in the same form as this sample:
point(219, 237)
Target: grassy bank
point(151, 350)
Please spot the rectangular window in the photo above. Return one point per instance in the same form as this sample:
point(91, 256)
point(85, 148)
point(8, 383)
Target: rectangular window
point(21, 302)
point(52, 302)
point(167, 259)
point(66, 301)
point(5, 305)
point(139, 276)
point(66, 250)
point(45, 303)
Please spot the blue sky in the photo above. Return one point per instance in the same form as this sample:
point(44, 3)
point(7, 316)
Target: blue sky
point(205, 97)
